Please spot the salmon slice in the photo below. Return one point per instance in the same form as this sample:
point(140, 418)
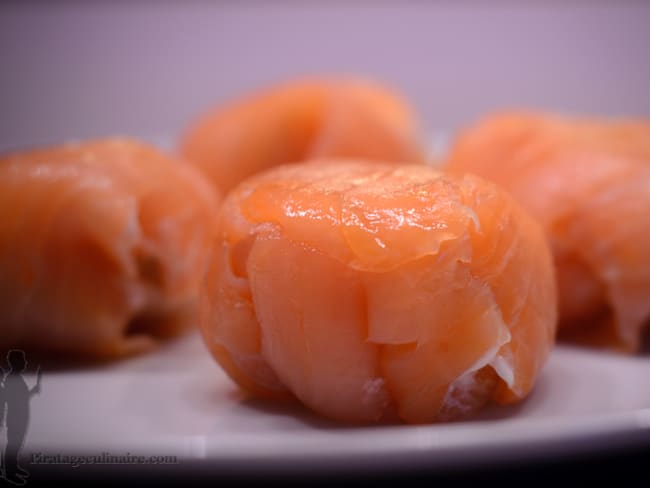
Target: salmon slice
point(103, 245)
point(588, 183)
point(300, 120)
point(370, 291)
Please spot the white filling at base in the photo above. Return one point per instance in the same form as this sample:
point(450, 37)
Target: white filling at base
point(504, 369)
point(460, 396)
point(373, 389)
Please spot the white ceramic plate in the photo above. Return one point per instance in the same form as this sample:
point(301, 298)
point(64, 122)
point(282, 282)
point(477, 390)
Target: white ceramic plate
point(177, 402)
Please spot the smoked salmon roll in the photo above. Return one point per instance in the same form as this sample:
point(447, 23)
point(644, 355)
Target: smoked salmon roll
point(372, 292)
point(301, 120)
point(587, 181)
point(103, 246)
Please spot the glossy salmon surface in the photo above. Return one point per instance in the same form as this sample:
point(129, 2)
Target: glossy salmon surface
point(372, 291)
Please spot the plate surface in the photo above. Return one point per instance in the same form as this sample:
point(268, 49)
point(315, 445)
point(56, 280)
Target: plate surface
point(177, 402)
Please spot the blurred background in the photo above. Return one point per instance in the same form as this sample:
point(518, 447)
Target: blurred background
point(76, 69)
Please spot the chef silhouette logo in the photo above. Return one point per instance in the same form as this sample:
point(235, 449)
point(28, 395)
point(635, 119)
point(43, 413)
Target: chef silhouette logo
point(15, 397)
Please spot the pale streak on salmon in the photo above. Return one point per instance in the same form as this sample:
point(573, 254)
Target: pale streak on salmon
point(301, 120)
point(103, 245)
point(588, 182)
point(369, 290)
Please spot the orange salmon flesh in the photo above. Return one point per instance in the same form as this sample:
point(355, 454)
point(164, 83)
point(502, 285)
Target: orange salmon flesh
point(587, 181)
point(300, 120)
point(103, 245)
point(371, 291)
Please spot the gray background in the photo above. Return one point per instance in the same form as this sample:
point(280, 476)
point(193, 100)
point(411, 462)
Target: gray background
point(80, 69)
